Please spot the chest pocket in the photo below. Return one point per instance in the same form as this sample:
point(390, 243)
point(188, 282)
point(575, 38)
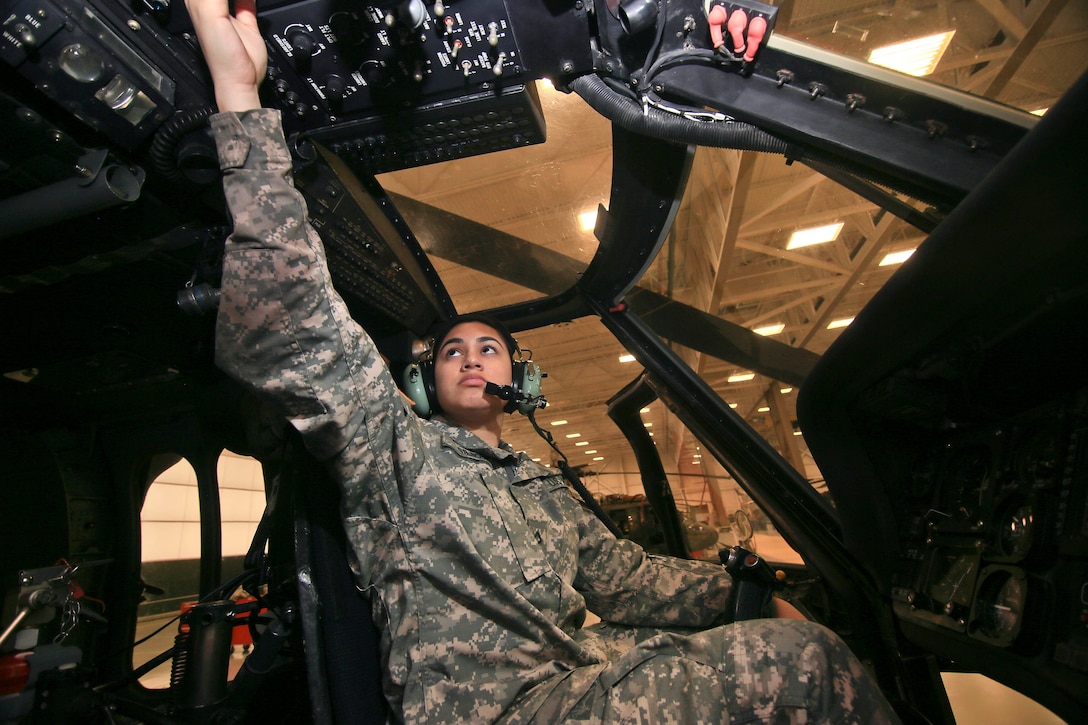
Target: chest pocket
point(523, 519)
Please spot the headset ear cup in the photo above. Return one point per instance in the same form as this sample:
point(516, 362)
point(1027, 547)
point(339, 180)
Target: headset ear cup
point(415, 388)
point(526, 379)
point(429, 386)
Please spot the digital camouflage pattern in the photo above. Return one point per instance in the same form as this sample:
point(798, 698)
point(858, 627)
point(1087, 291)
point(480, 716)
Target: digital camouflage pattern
point(479, 563)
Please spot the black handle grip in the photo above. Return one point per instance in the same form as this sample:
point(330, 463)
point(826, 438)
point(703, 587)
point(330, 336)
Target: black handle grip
point(754, 581)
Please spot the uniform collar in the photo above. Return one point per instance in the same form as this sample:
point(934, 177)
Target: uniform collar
point(461, 438)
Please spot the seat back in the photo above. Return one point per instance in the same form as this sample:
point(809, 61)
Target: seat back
point(341, 641)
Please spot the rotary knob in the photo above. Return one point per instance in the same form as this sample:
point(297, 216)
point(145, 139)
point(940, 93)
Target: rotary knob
point(302, 48)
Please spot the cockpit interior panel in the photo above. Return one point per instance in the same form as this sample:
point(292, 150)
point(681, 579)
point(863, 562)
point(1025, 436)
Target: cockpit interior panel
point(942, 520)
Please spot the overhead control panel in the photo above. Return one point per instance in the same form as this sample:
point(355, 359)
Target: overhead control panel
point(394, 85)
point(352, 57)
point(390, 83)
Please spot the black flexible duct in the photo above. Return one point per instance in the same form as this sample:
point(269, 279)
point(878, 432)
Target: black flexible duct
point(630, 114)
point(164, 147)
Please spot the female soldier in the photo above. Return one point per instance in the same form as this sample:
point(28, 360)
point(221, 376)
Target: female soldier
point(479, 563)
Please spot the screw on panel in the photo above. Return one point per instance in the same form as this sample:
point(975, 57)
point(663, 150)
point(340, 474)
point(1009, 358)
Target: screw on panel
point(783, 77)
point(816, 89)
point(975, 143)
point(935, 128)
point(891, 113)
point(854, 101)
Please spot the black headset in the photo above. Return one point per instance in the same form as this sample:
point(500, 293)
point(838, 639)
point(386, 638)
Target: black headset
point(419, 386)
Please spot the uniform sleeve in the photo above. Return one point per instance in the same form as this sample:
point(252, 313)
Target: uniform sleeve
point(625, 585)
point(281, 328)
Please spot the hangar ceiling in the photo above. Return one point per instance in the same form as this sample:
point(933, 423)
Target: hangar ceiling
point(726, 254)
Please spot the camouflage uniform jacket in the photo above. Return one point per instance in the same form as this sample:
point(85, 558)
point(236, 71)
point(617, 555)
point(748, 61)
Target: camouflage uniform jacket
point(478, 562)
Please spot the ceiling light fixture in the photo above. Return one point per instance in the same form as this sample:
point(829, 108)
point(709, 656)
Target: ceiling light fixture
point(917, 57)
point(627, 357)
point(574, 435)
point(814, 235)
point(588, 220)
point(559, 422)
point(768, 330)
point(740, 377)
point(843, 322)
point(896, 257)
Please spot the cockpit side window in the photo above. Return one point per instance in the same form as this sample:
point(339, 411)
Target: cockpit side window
point(171, 551)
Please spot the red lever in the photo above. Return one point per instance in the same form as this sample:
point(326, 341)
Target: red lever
point(717, 18)
point(757, 29)
point(737, 22)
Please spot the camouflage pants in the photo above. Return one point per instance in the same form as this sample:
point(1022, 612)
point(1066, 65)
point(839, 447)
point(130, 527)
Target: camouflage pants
point(761, 671)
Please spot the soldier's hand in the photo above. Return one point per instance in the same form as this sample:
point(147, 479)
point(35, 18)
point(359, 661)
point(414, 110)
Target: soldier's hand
point(784, 610)
point(233, 48)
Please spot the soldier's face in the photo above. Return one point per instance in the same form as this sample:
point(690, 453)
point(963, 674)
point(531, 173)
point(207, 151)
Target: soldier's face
point(472, 355)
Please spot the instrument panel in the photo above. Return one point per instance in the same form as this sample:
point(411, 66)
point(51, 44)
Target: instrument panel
point(995, 531)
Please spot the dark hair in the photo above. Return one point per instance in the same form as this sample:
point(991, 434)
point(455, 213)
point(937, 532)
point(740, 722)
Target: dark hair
point(443, 330)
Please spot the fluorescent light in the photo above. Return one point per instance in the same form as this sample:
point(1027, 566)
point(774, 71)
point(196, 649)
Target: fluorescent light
point(574, 435)
point(896, 257)
point(918, 57)
point(627, 357)
point(647, 425)
point(582, 443)
point(559, 422)
point(1040, 111)
point(740, 377)
point(587, 220)
point(763, 409)
point(599, 458)
point(768, 330)
point(786, 391)
point(589, 453)
point(836, 324)
point(696, 462)
point(732, 405)
point(814, 235)
point(644, 411)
